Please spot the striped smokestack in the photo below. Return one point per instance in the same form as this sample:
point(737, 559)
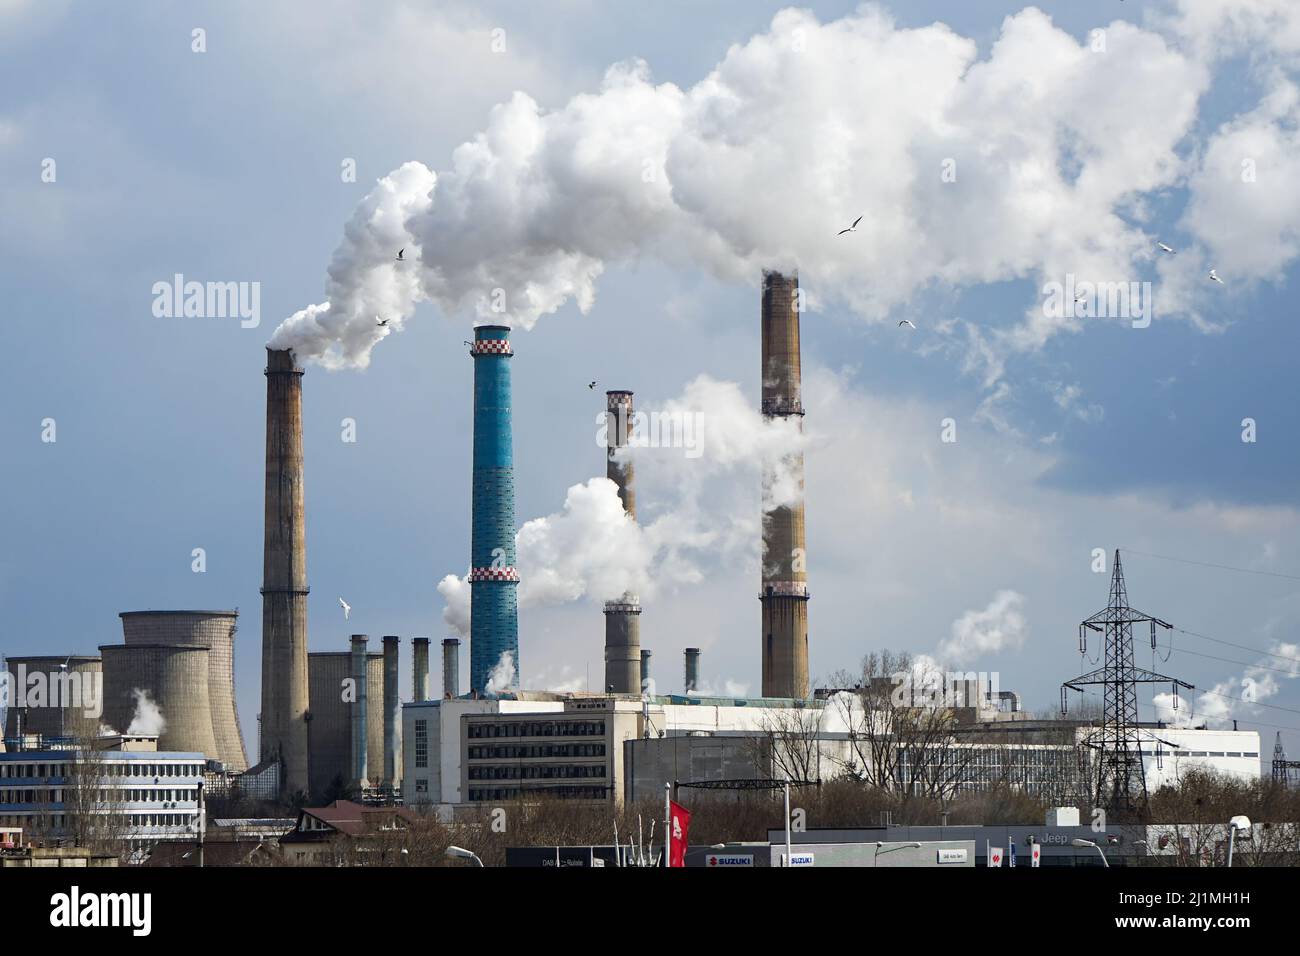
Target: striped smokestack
point(420, 668)
point(785, 583)
point(284, 578)
point(494, 582)
point(622, 616)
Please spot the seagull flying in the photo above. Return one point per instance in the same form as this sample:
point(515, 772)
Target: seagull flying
point(591, 384)
point(908, 323)
point(380, 321)
point(347, 608)
point(1215, 276)
point(401, 257)
point(1168, 249)
point(852, 228)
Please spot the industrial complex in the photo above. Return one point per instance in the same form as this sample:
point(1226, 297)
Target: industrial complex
point(336, 732)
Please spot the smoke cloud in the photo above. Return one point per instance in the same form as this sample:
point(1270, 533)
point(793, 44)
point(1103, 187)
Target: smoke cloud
point(502, 676)
point(999, 626)
point(148, 718)
point(961, 168)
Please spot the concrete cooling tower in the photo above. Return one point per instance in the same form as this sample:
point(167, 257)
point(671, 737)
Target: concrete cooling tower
point(330, 728)
point(214, 630)
point(176, 678)
point(64, 717)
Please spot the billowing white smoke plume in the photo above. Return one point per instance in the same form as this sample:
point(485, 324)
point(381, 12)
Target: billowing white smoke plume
point(148, 718)
point(1001, 626)
point(1232, 697)
point(590, 549)
point(502, 676)
point(963, 170)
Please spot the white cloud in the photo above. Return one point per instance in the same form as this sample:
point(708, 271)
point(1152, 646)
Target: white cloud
point(1001, 626)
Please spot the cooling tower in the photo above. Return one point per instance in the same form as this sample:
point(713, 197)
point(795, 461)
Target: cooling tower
point(284, 577)
point(214, 630)
point(176, 679)
point(494, 582)
point(785, 584)
point(330, 728)
point(622, 616)
point(450, 668)
point(55, 715)
point(645, 672)
point(420, 669)
point(692, 682)
point(392, 714)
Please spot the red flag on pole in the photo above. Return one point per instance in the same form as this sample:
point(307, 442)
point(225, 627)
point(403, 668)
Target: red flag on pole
point(677, 837)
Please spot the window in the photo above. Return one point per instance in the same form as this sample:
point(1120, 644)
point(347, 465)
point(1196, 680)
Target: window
point(421, 744)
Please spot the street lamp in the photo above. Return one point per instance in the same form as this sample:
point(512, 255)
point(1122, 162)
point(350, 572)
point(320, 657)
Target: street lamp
point(1089, 843)
point(913, 845)
point(1236, 823)
point(456, 853)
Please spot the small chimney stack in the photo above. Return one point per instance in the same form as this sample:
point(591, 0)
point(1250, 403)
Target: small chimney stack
point(692, 669)
point(622, 615)
point(645, 671)
point(450, 668)
point(420, 664)
point(392, 711)
point(359, 741)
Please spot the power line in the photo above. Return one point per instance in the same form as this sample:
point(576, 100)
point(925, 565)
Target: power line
point(1289, 671)
point(1255, 650)
point(1206, 564)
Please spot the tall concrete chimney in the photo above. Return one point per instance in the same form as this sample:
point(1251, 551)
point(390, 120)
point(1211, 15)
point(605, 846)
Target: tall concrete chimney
point(284, 578)
point(645, 672)
point(360, 701)
point(692, 669)
point(494, 582)
point(622, 616)
point(392, 713)
point(450, 668)
point(420, 666)
point(785, 583)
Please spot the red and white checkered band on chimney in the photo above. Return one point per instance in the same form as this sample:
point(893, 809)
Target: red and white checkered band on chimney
point(491, 347)
point(787, 588)
point(493, 574)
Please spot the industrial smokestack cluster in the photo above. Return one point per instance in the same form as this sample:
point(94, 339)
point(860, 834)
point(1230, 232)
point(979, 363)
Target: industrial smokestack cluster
point(784, 592)
point(284, 578)
point(494, 582)
point(622, 616)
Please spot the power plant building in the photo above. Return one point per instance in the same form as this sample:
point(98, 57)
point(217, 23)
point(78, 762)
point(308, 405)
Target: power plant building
point(331, 725)
point(494, 581)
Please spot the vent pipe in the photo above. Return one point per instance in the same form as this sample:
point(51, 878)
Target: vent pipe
point(420, 665)
point(359, 702)
point(450, 668)
point(692, 669)
point(392, 711)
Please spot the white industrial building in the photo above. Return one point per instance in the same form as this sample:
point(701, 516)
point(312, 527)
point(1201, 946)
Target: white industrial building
point(464, 751)
point(137, 794)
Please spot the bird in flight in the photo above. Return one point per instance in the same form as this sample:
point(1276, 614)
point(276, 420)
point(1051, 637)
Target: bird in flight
point(1215, 276)
point(379, 321)
point(908, 323)
point(1168, 249)
point(347, 608)
point(401, 254)
point(852, 228)
point(591, 384)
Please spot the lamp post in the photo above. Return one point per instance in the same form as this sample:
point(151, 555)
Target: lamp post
point(1089, 843)
point(456, 853)
point(913, 845)
point(1236, 823)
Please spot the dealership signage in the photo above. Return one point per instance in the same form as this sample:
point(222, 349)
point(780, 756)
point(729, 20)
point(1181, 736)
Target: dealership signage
point(729, 859)
point(952, 856)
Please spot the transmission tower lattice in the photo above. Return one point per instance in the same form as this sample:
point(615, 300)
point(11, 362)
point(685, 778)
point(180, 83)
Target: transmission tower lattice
point(1121, 788)
point(1283, 769)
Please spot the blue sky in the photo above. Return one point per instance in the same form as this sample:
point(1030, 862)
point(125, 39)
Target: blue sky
point(225, 166)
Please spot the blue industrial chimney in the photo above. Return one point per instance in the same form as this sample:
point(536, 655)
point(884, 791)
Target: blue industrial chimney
point(494, 619)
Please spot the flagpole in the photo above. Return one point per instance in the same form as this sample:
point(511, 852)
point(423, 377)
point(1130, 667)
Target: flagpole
point(789, 858)
point(668, 822)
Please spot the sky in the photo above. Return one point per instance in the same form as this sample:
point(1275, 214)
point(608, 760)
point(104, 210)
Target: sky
point(623, 173)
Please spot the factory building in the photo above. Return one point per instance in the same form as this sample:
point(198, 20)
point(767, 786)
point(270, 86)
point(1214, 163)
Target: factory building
point(214, 630)
point(784, 589)
point(331, 728)
point(123, 790)
point(283, 736)
point(494, 582)
point(608, 747)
